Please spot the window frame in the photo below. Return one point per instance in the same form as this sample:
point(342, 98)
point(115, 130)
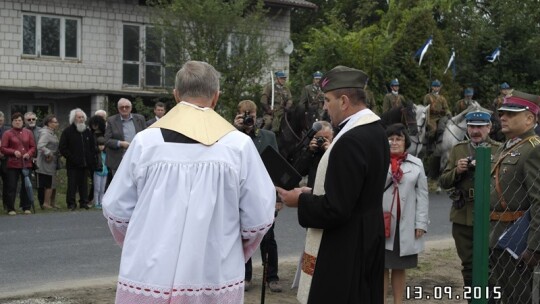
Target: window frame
point(38, 37)
point(143, 63)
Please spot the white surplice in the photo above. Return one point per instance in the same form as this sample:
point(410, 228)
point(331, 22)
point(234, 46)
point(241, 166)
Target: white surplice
point(188, 217)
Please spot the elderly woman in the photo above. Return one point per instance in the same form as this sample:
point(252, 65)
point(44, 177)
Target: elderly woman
point(19, 147)
point(47, 160)
point(406, 197)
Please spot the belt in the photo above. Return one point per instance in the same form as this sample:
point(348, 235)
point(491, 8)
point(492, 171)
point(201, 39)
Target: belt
point(506, 216)
point(308, 263)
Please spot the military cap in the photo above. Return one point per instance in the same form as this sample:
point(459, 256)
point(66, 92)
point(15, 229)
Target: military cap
point(342, 77)
point(394, 82)
point(520, 101)
point(436, 83)
point(317, 74)
point(281, 74)
point(504, 85)
point(469, 92)
point(477, 118)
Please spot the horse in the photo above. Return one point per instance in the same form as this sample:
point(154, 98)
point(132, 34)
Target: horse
point(414, 118)
point(292, 129)
point(418, 140)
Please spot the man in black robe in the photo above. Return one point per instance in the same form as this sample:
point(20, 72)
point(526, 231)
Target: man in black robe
point(346, 202)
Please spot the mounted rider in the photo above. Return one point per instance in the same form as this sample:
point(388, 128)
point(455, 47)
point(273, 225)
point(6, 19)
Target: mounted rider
point(275, 102)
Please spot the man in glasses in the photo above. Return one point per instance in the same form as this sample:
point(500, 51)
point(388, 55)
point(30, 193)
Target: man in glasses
point(30, 123)
point(515, 188)
point(120, 131)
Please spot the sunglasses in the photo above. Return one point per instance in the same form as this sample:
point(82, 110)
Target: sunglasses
point(31, 119)
point(124, 107)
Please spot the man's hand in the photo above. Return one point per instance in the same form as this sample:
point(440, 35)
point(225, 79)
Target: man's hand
point(124, 144)
point(290, 198)
point(17, 154)
point(279, 206)
point(26, 156)
point(531, 259)
point(239, 121)
point(462, 165)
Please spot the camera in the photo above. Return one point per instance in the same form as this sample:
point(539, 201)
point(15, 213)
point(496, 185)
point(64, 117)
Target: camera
point(471, 164)
point(320, 141)
point(248, 119)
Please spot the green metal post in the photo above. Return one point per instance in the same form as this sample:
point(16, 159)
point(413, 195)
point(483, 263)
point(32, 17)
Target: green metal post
point(481, 225)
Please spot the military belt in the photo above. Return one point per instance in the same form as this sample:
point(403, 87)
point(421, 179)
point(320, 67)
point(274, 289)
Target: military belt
point(506, 216)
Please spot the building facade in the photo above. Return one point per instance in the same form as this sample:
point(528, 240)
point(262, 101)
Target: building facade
point(57, 55)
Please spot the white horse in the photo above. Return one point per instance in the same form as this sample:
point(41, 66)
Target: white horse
point(418, 140)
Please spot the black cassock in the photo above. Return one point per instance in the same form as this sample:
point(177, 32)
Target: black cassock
point(350, 262)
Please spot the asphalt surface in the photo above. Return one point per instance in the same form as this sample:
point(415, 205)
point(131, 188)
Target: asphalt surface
point(70, 249)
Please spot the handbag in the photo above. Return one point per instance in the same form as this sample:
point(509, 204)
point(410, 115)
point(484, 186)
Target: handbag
point(388, 214)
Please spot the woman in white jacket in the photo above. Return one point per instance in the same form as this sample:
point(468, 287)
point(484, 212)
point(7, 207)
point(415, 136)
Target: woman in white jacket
point(406, 197)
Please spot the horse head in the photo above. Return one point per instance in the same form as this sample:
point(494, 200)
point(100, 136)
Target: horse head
point(418, 135)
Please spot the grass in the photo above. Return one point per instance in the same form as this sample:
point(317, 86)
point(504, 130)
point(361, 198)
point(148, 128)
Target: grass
point(61, 189)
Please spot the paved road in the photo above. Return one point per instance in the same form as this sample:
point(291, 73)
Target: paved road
point(70, 249)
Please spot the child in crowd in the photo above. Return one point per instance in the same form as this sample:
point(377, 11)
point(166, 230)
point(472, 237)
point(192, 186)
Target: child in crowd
point(100, 175)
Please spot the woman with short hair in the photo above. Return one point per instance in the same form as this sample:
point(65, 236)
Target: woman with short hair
point(18, 146)
point(47, 160)
point(406, 198)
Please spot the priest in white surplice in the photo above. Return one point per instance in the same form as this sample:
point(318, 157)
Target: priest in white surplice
point(343, 260)
point(190, 202)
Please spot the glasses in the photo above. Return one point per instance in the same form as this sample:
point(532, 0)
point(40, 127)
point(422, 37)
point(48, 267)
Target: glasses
point(395, 140)
point(124, 107)
point(31, 119)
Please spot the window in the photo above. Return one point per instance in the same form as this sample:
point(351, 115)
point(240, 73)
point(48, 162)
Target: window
point(51, 36)
point(143, 63)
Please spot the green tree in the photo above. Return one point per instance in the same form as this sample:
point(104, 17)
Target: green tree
point(226, 34)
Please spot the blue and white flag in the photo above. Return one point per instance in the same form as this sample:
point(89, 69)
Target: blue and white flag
point(422, 51)
point(496, 53)
point(450, 61)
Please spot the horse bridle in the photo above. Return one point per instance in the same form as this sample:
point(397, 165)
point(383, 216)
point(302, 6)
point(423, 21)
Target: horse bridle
point(419, 127)
point(454, 135)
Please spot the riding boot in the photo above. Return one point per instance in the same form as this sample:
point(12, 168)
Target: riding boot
point(434, 167)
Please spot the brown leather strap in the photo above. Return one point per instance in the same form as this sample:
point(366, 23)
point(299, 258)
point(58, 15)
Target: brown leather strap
point(506, 216)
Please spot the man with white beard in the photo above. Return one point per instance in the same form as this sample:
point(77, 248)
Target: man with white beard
point(78, 147)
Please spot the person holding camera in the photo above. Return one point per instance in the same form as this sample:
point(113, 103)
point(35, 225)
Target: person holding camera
point(459, 176)
point(245, 122)
point(311, 155)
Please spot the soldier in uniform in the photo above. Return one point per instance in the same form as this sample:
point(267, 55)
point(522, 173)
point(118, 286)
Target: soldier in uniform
point(496, 133)
point(312, 96)
point(505, 90)
point(459, 176)
point(464, 103)
point(439, 112)
point(515, 188)
point(393, 99)
point(282, 101)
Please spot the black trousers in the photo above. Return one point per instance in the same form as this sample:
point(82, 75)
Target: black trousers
point(268, 245)
point(12, 180)
point(77, 179)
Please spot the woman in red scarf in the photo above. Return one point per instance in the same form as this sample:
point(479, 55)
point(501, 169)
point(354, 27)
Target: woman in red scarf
point(406, 197)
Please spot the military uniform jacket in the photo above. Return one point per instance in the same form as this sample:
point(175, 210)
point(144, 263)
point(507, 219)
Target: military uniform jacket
point(519, 179)
point(391, 101)
point(282, 98)
point(462, 105)
point(312, 96)
point(438, 105)
point(465, 181)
